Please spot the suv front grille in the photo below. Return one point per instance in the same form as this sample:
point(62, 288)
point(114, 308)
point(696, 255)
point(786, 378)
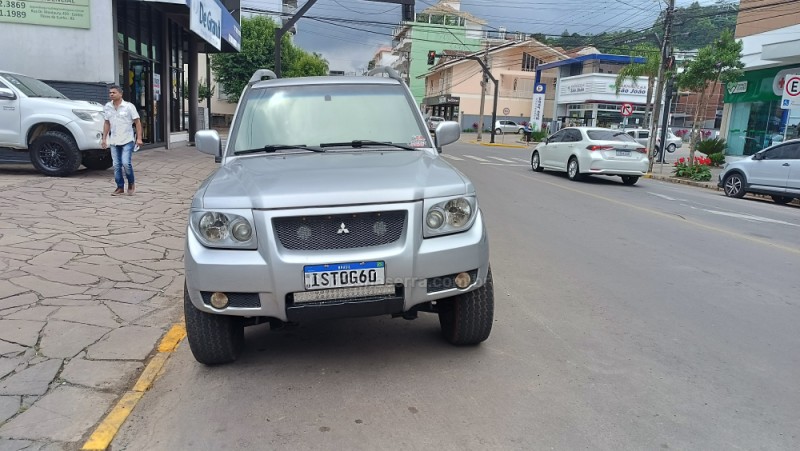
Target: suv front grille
point(346, 231)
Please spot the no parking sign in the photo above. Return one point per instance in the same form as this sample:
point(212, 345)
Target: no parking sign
point(791, 92)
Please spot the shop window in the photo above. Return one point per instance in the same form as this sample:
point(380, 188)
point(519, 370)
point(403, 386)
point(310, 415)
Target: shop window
point(437, 19)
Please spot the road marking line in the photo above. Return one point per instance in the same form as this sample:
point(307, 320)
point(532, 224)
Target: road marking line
point(476, 158)
point(521, 160)
point(451, 157)
point(530, 176)
point(107, 429)
point(504, 164)
point(501, 159)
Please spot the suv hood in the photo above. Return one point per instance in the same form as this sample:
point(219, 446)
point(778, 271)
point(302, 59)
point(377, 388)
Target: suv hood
point(331, 178)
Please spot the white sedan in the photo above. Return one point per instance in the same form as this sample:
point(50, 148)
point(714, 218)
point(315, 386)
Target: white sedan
point(581, 151)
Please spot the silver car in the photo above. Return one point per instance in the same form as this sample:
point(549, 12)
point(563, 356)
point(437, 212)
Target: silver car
point(505, 126)
point(357, 216)
point(774, 171)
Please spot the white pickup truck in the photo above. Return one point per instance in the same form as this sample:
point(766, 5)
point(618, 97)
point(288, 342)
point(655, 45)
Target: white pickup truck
point(40, 125)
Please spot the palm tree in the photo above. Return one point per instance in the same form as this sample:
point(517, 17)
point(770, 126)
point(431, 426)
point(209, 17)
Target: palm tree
point(649, 69)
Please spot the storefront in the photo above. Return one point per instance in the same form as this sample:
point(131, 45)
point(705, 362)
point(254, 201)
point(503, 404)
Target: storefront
point(147, 47)
point(756, 119)
point(446, 106)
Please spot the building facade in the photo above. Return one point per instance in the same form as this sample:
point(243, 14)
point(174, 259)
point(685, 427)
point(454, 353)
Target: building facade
point(585, 92)
point(453, 85)
point(440, 27)
point(149, 48)
point(753, 117)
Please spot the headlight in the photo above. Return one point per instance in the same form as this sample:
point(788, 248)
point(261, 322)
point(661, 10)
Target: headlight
point(445, 216)
point(223, 229)
point(88, 115)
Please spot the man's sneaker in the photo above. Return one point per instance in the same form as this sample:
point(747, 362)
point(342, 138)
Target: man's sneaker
point(131, 189)
point(118, 191)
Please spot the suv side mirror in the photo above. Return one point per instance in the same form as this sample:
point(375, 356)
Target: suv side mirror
point(6, 93)
point(758, 156)
point(207, 141)
point(447, 132)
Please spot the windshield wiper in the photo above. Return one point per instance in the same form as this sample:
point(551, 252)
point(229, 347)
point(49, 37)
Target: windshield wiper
point(275, 147)
point(359, 143)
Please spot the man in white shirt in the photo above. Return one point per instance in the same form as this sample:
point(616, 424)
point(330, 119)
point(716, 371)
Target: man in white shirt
point(118, 135)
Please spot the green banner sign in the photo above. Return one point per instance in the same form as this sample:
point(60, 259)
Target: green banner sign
point(764, 85)
point(54, 13)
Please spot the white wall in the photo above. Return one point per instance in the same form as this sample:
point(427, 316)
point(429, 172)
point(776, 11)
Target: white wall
point(64, 54)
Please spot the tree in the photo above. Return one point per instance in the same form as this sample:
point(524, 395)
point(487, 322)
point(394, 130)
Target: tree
point(203, 91)
point(647, 69)
point(233, 70)
point(718, 62)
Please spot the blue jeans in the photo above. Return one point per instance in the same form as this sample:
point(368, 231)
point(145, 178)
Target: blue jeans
point(121, 158)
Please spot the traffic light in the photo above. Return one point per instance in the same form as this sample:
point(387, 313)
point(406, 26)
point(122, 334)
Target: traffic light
point(431, 57)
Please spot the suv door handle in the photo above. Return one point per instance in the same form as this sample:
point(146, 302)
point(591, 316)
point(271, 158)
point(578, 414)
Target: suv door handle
point(786, 164)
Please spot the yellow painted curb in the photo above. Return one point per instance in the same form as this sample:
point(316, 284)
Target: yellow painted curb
point(108, 428)
point(172, 338)
point(106, 431)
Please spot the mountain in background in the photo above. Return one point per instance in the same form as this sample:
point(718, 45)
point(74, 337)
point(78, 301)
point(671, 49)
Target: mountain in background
point(695, 26)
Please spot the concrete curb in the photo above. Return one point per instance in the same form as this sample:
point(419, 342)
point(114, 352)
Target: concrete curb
point(107, 429)
point(667, 178)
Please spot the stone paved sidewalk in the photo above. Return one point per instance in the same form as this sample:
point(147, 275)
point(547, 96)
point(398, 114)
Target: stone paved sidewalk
point(88, 285)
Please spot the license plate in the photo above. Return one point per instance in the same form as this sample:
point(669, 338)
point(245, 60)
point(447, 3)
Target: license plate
point(623, 153)
point(341, 275)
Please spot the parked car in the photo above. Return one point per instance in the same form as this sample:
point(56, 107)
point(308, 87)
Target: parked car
point(507, 127)
point(434, 122)
point(356, 216)
point(580, 151)
point(41, 126)
point(642, 136)
point(774, 171)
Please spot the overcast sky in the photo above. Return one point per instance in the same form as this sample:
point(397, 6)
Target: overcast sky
point(350, 46)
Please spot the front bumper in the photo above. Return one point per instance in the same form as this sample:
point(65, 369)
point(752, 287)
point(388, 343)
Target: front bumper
point(272, 273)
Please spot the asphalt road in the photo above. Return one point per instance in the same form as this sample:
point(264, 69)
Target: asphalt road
point(656, 316)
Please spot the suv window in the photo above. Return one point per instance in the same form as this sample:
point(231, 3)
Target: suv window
point(792, 151)
point(778, 153)
point(312, 115)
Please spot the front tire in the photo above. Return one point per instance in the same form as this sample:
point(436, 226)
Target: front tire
point(734, 185)
point(213, 339)
point(55, 154)
point(782, 200)
point(98, 162)
point(671, 148)
point(630, 180)
point(466, 319)
point(536, 163)
point(574, 170)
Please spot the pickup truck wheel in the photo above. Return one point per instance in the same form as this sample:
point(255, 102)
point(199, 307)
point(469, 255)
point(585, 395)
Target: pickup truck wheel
point(98, 162)
point(466, 319)
point(213, 339)
point(55, 154)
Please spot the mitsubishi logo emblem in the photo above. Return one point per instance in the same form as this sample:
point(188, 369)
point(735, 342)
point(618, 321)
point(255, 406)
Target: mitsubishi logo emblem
point(342, 229)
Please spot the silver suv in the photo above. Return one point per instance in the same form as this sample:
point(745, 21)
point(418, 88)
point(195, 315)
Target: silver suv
point(357, 216)
point(774, 171)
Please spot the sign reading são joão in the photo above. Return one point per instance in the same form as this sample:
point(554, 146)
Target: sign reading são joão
point(206, 21)
point(54, 13)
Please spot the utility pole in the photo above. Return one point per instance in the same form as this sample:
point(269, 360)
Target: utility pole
point(662, 72)
point(484, 80)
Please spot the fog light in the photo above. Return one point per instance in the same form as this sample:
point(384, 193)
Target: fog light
point(463, 280)
point(220, 300)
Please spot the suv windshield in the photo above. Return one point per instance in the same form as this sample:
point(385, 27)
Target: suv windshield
point(32, 87)
point(327, 113)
